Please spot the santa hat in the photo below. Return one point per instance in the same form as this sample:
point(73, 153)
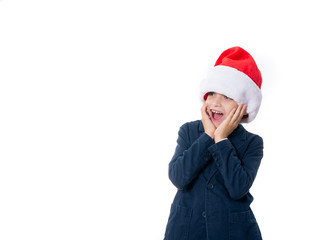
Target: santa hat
point(235, 75)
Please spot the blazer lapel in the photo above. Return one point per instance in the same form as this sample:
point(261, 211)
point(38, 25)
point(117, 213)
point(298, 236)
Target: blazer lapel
point(238, 137)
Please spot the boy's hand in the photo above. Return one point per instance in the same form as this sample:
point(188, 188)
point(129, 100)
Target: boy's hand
point(230, 123)
point(208, 125)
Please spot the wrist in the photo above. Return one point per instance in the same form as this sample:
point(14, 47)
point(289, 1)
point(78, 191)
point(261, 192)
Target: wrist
point(211, 135)
point(218, 138)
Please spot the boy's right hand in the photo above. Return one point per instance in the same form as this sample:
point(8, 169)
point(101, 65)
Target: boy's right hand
point(208, 125)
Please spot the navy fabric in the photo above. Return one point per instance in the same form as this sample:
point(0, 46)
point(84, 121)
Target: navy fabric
point(213, 181)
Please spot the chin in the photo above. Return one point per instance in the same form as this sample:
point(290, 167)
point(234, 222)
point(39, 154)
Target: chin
point(216, 124)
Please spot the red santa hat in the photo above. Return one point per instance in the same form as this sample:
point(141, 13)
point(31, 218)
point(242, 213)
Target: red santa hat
point(235, 75)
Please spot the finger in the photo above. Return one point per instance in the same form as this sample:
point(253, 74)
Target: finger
point(204, 106)
point(208, 113)
point(231, 114)
point(207, 110)
point(204, 110)
point(243, 111)
point(237, 113)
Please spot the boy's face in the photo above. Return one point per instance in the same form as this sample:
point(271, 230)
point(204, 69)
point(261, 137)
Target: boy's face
point(219, 107)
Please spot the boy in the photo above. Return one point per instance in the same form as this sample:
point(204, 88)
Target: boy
point(216, 160)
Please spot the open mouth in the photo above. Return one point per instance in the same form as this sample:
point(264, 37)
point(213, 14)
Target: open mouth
point(215, 115)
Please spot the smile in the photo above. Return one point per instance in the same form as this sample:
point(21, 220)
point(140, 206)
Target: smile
point(216, 115)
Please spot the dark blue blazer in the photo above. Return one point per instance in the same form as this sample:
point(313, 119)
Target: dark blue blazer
point(213, 182)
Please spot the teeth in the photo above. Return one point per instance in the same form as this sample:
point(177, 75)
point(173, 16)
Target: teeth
point(217, 112)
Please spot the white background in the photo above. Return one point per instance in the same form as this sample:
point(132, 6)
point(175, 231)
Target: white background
point(93, 93)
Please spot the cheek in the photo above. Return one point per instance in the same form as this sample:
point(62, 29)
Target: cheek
point(230, 107)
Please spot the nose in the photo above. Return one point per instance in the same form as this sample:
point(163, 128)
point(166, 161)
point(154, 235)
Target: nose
point(215, 100)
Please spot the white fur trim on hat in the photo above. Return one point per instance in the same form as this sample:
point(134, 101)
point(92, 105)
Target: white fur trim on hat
point(234, 84)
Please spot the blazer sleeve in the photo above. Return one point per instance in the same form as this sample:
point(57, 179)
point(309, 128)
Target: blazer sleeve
point(238, 174)
point(189, 158)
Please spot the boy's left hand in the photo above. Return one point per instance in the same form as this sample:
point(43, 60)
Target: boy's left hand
point(230, 123)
